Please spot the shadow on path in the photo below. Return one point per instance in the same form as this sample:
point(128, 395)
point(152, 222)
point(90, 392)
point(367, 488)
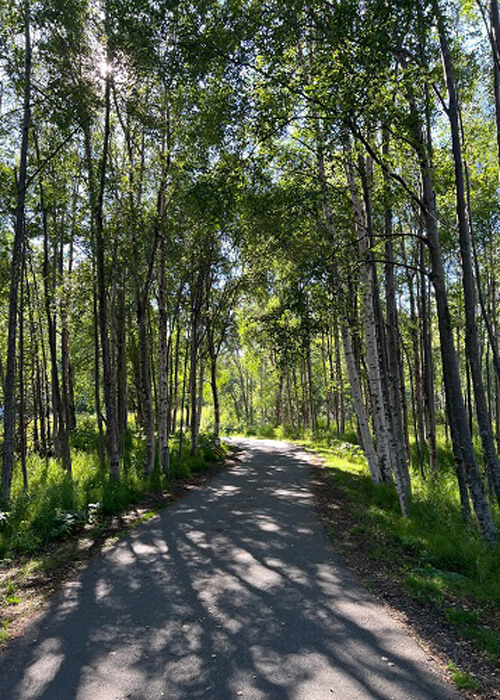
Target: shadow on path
point(233, 592)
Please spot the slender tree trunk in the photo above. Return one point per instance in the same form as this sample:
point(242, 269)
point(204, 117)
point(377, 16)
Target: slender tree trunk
point(357, 396)
point(176, 380)
point(66, 284)
point(289, 401)
point(471, 333)
point(310, 388)
point(199, 402)
point(146, 391)
point(393, 353)
point(193, 384)
point(163, 409)
point(417, 373)
point(340, 380)
point(40, 444)
point(212, 352)
point(463, 449)
point(215, 395)
point(22, 393)
point(97, 381)
point(68, 402)
point(371, 343)
point(183, 397)
point(495, 45)
point(332, 387)
point(326, 381)
point(428, 369)
point(121, 363)
point(296, 395)
point(16, 267)
point(109, 377)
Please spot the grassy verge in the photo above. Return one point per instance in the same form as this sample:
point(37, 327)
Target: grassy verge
point(57, 505)
point(432, 557)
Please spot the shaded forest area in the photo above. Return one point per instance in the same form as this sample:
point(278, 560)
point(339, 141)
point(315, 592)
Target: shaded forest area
point(275, 218)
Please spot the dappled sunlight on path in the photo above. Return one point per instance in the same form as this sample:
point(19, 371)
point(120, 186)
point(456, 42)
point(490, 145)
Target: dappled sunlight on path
point(233, 592)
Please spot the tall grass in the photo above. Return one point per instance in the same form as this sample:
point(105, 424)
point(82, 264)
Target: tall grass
point(57, 504)
point(441, 547)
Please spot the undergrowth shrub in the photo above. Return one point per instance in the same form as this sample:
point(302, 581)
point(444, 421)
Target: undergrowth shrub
point(267, 431)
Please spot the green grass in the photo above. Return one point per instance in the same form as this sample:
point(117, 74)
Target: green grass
point(486, 639)
point(57, 505)
point(4, 631)
point(357, 530)
point(462, 618)
point(450, 555)
point(278, 432)
point(462, 680)
point(424, 589)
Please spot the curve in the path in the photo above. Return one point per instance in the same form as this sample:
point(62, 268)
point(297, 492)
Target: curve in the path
point(233, 592)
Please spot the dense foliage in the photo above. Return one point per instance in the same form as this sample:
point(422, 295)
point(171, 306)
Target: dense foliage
point(227, 216)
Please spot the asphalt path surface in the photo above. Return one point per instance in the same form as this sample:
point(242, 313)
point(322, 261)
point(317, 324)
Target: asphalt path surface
point(234, 592)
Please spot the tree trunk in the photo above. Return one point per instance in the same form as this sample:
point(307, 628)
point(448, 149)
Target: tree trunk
point(215, 395)
point(163, 409)
point(183, 398)
point(357, 395)
point(121, 364)
point(393, 353)
point(193, 384)
point(146, 391)
point(16, 267)
point(471, 334)
point(427, 367)
point(495, 46)
point(465, 459)
point(68, 401)
point(22, 396)
point(199, 402)
point(371, 343)
point(109, 377)
point(339, 380)
point(97, 381)
point(176, 381)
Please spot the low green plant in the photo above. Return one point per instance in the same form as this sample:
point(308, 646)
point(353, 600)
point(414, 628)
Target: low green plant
point(484, 638)
point(424, 589)
point(463, 680)
point(67, 523)
point(357, 530)
point(267, 431)
point(461, 617)
point(4, 631)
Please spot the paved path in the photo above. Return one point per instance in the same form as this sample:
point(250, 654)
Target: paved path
point(233, 592)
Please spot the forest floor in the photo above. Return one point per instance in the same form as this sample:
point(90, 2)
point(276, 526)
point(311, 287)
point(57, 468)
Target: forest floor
point(28, 581)
point(234, 591)
point(382, 563)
